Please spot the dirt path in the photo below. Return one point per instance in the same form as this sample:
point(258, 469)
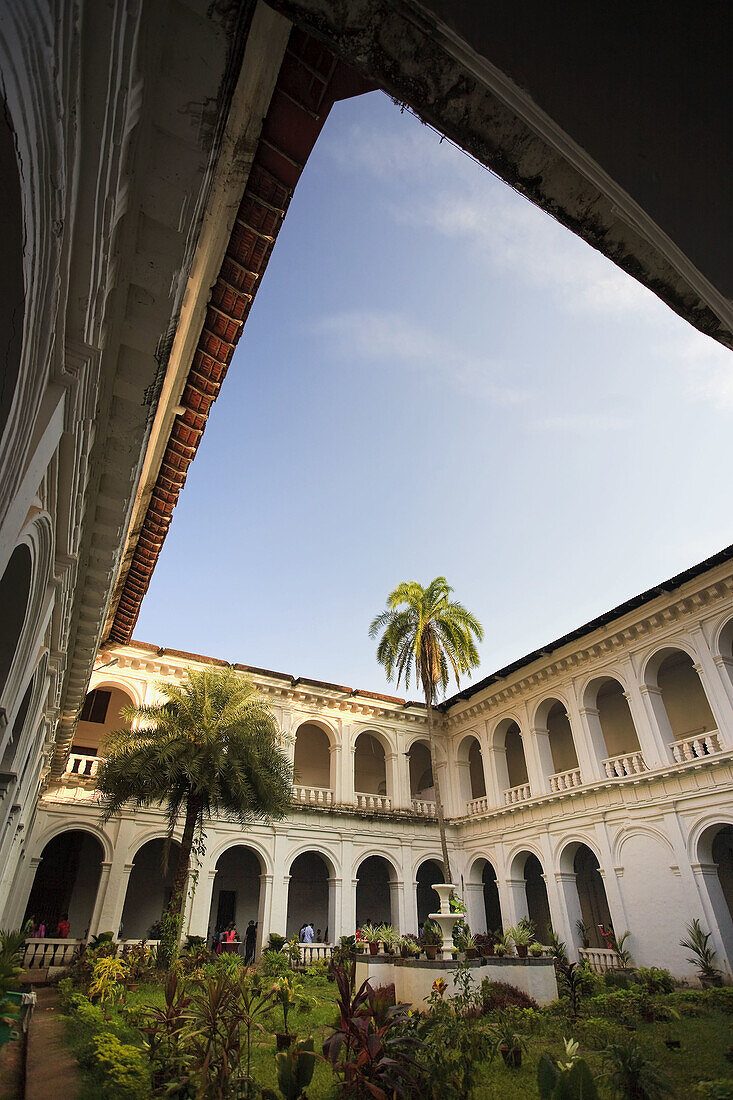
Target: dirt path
point(51, 1069)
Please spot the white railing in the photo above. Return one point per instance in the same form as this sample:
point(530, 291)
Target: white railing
point(375, 803)
point(40, 954)
point(312, 796)
point(478, 806)
point(423, 808)
point(600, 959)
point(82, 766)
point(314, 952)
point(629, 763)
point(517, 794)
point(692, 748)
point(563, 781)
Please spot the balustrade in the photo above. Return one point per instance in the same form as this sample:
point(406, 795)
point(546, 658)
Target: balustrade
point(313, 796)
point(40, 954)
point(314, 952)
point(478, 806)
point(600, 959)
point(692, 748)
point(82, 766)
point(629, 763)
point(423, 808)
point(563, 781)
point(517, 794)
point(375, 803)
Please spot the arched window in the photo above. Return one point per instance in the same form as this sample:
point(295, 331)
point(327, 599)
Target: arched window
point(149, 889)
point(370, 766)
point(309, 899)
point(312, 757)
point(99, 716)
point(15, 587)
point(471, 769)
point(516, 765)
point(236, 894)
point(421, 772)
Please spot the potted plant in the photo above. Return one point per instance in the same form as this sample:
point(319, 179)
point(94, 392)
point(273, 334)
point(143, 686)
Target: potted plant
point(470, 946)
point(501, 949)
point(389, 938)
point(703, 957)
point(507, 1042)
point(583, 932)
point(535, 950)
point(486, 943)
point(522, 936)
point(284, 994)
point(359, 942)
point(372, 935)
point(432, 939)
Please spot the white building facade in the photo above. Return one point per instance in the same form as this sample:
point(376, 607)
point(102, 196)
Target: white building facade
point(591, 782)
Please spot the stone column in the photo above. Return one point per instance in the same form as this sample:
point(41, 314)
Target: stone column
point(513, 899)
point(279, 911)
point(716, 913)
point(336, 776)
point(347, 776)
point(411, 907)
point(335, 921)
point(497, 777)
point(17, 907)
point(538, 757)
point(473, 895)
point(718, 688)
point(395, 789)
point(398, 915)
point(569, 910)
point(590, 745)
point(650, 721)
point(94, 924)
point(264, 913)
point(724, 670)
point(349, 906)
point(198, 918)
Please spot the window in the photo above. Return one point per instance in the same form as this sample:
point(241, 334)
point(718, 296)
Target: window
point(95, 707)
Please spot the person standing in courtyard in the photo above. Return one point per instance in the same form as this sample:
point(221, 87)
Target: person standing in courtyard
point(308, 932)
point(250, 943)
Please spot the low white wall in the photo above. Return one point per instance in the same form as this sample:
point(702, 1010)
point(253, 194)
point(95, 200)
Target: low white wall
point(413, 979)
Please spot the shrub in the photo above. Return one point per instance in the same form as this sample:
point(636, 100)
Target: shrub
point(618, 979)
point(595, 1033)
point(121, 1068)
point(721, 997)
point(275, 964)
point(654, 980)
point(721, 1089)
point(622, 1005)
point(496, 996)
point(276, 942)
point(631, 1074)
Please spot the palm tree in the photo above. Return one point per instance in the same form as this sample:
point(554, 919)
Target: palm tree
point(426, 634)
point(209, 750)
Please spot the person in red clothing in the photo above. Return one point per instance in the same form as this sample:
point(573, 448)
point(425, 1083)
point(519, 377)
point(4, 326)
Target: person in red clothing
point(64, 927)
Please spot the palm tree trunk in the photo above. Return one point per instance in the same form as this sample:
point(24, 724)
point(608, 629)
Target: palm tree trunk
point(174, 910)
point(436, 788)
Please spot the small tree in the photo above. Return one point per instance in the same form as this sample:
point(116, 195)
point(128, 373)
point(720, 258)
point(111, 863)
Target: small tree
point(425, 634)
point(211, 749)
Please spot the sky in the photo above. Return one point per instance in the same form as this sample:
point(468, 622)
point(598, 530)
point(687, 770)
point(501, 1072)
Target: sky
point(436, 378)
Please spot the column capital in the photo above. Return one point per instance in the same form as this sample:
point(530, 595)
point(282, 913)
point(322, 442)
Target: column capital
point(649, 689)
point(266, 878)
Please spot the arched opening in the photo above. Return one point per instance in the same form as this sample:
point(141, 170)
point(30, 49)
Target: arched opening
point(685, 703)
point(312, 763)
point(373, 893)
point(309, 896)
point(9, 761)
point(562, 746)
point(12, 286)
point(592, 899)
point(236, 893)
point(715, 854)
point(149, 889)
point(15, 588)
point(538, 907)
point(614, 715)
point(66, 882)
point(100, 716)
point(421, 772)
point(471, 769)
point(370, 766)
point(516, 765)
point(725, 652)
point(492, 904)
point(428, 873)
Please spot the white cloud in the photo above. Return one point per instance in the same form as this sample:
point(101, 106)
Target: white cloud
point(705, 368)
point(582, 423)
point(391, 338)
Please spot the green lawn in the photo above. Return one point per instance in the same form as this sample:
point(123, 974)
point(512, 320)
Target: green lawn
point(705, 1040)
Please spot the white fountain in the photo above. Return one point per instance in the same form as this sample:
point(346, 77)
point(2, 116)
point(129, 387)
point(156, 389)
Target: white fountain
point(445, 919)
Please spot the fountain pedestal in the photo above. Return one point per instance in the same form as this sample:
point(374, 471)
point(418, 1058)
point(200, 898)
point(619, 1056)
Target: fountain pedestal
point(445, 919)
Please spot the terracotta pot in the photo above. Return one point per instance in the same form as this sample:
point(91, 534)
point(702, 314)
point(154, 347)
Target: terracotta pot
point(512, 1056)
point(283, 1040)
point(431, 950)
point(522, 949)
point(373, 948)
